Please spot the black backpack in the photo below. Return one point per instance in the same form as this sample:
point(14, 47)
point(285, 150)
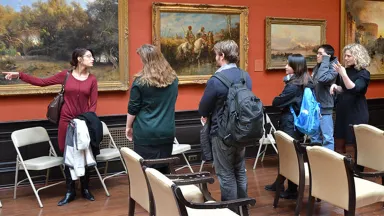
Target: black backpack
point(241, 122)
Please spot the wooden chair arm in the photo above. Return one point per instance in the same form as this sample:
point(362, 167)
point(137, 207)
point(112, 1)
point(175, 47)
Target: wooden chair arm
point(189, 175)
point(201, 180)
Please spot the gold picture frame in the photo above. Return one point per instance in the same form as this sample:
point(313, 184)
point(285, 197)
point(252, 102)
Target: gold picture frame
point(348, 20)
point(286, 40)
point(237, 24)
point(120, 83)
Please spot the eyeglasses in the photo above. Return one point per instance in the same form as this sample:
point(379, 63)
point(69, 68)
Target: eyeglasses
point(88, 56)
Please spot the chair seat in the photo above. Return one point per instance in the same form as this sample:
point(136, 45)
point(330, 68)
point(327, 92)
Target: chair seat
point(107, 154)
point(43, 162)
point(180, 148)
point(210, 212)
point(368, 192)
point(192, 193)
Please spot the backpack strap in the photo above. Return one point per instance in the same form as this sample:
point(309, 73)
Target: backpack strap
point(242, 77)
point(223, 79)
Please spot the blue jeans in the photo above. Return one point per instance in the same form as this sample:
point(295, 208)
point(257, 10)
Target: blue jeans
point(325, 135)
point(229, 165)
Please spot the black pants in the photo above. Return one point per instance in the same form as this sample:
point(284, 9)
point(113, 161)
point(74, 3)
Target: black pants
point(155, 152)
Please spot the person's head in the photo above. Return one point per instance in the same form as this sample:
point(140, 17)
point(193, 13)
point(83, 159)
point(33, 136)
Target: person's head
point(82, 57)
point(325, 49)
point(297, 65)
point(202, 28)
point(226, 52)
point(356, 55)
point(190, 27)
point(156, 70)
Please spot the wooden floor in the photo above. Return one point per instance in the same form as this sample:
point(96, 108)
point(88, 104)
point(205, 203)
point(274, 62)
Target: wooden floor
point(117, 203)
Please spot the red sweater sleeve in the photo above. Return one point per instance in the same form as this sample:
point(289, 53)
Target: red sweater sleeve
point(52, 80)
point(94, 95)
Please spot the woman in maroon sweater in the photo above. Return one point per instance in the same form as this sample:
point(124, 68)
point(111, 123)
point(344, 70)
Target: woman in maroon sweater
point(80, 96)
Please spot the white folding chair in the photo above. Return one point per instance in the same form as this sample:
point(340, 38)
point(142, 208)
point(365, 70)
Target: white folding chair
point(180, 149)
point(107, 154)
point(266, 140)
point(29, 136)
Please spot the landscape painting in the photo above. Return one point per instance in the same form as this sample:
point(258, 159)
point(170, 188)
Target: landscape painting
point(286, 36)
point(362, 22)
point(186, 36)
point(37, 37)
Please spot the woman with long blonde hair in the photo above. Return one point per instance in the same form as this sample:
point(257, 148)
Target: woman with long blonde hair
point(351, 87)
point(151, 108)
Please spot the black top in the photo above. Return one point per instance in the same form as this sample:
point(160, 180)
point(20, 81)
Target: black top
point(351, 107)
point(154, 109)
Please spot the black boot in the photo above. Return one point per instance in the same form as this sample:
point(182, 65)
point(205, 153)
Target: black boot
point(291, 192)
point(272, 187)
point(84, 180)
point(71, 191)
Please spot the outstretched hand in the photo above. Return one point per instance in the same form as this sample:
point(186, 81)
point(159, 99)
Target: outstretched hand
point(11, 75)
point(339, 69)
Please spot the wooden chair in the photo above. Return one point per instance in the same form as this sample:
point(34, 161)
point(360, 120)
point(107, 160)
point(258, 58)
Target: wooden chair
point(170, 200)
point(332, 180)
point(291, 166)
point(138, 186)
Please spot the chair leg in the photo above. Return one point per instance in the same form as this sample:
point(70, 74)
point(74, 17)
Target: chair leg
point(102, 182)
point(186, 160)
point(201, 166)
point(106, 169)
point(258, 152)
point(277, 194)
point(131, 204)
point(351, 212)
point(311, 203)
point(33, 188)
point(16, 177)
point(299, 202)
point(47, 177)
point(265, 150)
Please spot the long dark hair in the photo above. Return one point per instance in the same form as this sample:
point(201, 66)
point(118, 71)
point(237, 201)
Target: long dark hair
point(78, 52)
point(299, 65)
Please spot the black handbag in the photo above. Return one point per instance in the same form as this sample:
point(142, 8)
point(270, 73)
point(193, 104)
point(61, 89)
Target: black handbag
point(54, 108)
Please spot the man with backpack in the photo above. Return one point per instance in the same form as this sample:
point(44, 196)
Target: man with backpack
point(236, 119)
point(323, 77)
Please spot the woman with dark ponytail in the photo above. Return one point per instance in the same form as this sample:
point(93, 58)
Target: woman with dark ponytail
point(80, 96)
point(296, 80)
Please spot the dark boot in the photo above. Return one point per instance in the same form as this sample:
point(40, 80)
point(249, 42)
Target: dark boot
point(71, 191)
point(291, 192)
point(84, 180)
point(272, 187)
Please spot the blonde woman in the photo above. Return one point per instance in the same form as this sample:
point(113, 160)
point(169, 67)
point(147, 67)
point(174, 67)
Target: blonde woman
point(151, 108)
point(351, 87)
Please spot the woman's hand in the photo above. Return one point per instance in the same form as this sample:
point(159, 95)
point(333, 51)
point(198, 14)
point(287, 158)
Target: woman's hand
point(11, 75)
point(129, 133)
point(339, 69)
point(334, 89)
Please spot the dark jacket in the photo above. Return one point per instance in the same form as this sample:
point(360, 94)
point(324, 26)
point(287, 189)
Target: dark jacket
point(216, 93)
point(95, 129)
point(292, 95)
point(323, 77)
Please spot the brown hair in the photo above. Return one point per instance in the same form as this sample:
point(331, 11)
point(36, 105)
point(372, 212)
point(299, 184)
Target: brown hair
point(230, 50)
point(156, 71)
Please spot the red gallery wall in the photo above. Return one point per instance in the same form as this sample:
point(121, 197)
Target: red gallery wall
point(267, 84)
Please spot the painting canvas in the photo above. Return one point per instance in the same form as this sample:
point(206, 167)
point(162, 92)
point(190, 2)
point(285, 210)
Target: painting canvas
point(186, 35)
point(38, 37)
point(285, 36)
point(363, 23)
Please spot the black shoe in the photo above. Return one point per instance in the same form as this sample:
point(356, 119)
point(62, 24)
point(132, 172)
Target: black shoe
point(87, 195)
point(69, 196)
point(272, 187)
point(288, 194)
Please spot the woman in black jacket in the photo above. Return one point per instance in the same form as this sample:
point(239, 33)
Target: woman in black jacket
point(296, 80)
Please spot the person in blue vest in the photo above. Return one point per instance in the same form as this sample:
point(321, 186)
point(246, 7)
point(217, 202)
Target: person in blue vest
point(296, 80)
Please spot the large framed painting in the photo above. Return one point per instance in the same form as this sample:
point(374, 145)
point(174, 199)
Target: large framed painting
point(186, 34)
point(285, 36)
point(362, 21)
point(38, 37)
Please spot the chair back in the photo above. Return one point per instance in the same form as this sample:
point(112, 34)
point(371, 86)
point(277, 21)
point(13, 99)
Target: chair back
point(29, 136)
point(370, 146)
point(288, 160)
point(163, 195)
point(138, 187)
point(329, 178)
point(105, 129)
